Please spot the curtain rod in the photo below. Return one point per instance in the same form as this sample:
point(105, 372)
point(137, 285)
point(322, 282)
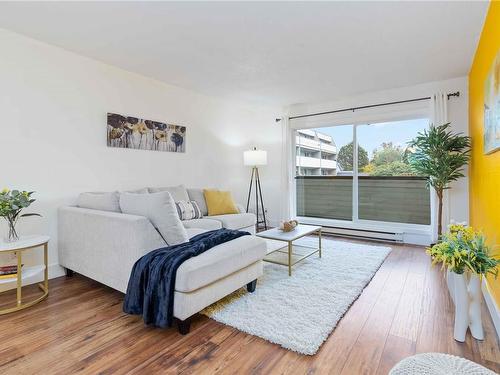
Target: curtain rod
point(457, 94)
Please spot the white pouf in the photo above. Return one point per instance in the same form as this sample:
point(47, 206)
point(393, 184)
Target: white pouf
point(438, 364)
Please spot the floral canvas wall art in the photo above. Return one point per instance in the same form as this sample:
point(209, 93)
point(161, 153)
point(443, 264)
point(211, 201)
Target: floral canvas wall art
point(137, 133)
point(492, 108)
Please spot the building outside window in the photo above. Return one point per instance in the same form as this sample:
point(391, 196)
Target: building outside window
point(316, 154)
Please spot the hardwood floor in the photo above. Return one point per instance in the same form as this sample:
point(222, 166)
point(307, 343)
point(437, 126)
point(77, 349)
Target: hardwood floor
point(80, 328)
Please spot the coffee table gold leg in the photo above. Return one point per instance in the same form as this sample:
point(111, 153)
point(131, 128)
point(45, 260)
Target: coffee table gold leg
point(290, 258)
point(19, 278)
point(319, 240)
point(46, 261)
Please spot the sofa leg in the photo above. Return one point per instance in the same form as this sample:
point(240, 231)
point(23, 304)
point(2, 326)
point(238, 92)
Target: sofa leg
point(251, 286)
point(184, 326)
point(69, 273)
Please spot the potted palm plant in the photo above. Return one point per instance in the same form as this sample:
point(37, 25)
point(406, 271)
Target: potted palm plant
point(466, 258)
point(440, 155)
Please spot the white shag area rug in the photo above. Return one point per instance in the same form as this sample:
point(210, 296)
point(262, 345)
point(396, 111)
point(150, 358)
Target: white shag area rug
point(438, 364)
point(300, 312)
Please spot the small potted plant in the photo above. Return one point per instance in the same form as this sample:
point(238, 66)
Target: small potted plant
point(12, 202)
point(465, 256)
point(440, 155)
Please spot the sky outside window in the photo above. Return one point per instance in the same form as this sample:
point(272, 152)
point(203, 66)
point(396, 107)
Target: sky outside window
point(397, 132)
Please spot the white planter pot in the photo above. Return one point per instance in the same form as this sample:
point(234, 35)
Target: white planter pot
point(457, 284)
point(466, 296)
point(475, 324)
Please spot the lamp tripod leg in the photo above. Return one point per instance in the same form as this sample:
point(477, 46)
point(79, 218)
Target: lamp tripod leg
point(261, 201)
point(257, 197)
point(250, 188)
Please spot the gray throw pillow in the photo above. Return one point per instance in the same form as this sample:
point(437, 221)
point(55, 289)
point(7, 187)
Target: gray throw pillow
point(188, 210)
point(198, 196)
point(178, 193)
point(104, 201)
point(160, 209)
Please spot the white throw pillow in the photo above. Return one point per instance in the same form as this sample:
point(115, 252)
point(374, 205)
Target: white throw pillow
point(160, 209)
point(139, 191)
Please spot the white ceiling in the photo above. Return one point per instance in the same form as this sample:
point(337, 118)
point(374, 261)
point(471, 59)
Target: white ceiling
point(275, 53)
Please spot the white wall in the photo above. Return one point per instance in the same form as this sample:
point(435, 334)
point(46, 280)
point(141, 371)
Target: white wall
point(457, 207)
point(53, 133)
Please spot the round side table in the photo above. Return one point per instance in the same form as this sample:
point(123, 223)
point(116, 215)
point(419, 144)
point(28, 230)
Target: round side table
point(27, 243)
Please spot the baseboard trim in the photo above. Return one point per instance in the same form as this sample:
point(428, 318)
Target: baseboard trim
point(492, 307)
point(55, 270)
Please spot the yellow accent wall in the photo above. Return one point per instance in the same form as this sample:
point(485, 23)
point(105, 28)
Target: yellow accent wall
point(485, 169)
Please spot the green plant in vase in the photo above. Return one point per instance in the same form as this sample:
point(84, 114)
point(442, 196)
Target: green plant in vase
point(466, 257)
point(440, 155)
point(12, 202)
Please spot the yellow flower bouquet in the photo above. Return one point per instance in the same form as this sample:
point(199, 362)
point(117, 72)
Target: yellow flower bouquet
point(464, 250)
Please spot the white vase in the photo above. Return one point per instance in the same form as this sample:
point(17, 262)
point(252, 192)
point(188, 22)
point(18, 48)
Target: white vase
point(466, 295)
point(475, 322)
point(457, 285)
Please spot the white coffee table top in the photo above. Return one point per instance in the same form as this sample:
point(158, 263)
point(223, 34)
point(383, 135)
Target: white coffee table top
point(300, 230)
point(23, 242)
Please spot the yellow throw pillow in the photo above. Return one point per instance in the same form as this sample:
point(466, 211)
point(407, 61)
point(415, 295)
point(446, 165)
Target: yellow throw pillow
point(220, 202)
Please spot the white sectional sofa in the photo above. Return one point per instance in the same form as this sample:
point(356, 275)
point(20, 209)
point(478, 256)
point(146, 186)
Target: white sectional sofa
point(104, 244)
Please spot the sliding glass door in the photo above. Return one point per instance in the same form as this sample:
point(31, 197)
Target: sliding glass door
point(388, 189)
point(323, 180)
point(359, 173)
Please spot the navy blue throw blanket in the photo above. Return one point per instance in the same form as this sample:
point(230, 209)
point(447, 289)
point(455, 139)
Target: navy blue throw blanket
point(151, 287)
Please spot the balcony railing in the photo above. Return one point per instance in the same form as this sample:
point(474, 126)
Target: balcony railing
point(315, 145)
point(399, 199)
point(307, 162)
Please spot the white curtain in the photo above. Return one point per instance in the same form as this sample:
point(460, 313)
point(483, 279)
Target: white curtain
point(439, 109)
point(439, 116)
point(287, 166)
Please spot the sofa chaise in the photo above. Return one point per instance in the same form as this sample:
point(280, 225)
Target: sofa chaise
point(103, 244)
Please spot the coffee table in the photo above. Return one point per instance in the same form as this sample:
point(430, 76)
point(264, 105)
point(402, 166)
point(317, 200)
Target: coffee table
point(300, 231)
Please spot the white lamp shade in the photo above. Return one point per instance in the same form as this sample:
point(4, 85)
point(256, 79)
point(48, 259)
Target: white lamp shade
point(255, 157)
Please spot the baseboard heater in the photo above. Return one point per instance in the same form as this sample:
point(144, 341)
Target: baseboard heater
point(365, 234)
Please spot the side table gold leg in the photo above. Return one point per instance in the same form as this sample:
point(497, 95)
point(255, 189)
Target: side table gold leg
point(319, 240)
point(289, 258)
point(46, 261)
point(19, 277)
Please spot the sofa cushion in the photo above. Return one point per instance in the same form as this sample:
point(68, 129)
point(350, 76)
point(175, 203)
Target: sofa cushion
point(198, 196)
point(207, 224)
point(178, 193)
point(219, 202)
point(104, 201)
point(160, 209)
point(219, 262)
point(236, 221)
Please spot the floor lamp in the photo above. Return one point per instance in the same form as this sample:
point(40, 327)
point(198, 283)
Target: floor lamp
point(255, 158)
